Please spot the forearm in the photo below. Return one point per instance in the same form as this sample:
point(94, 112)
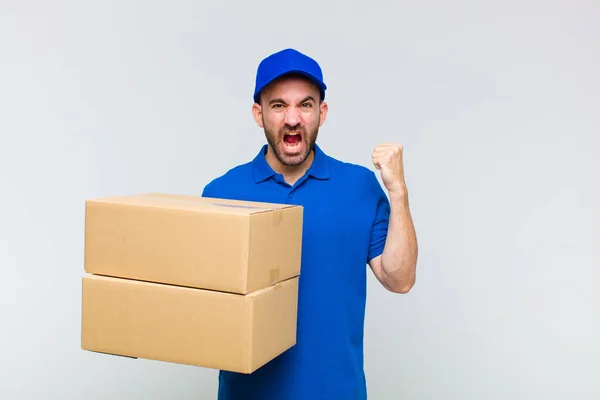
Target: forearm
point(399, 258)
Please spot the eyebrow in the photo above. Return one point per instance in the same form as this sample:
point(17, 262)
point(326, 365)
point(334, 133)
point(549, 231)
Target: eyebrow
point(277, 101)
point(307, 98)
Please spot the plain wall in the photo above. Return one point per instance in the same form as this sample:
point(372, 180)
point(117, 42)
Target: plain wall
point(498, 107)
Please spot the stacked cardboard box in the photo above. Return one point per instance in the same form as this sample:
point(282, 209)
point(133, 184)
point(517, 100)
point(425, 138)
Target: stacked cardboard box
point(191, 280)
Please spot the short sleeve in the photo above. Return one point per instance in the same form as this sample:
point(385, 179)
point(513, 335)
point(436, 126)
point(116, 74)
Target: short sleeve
point(206, 192)
point(211, 189)
point(380, 221)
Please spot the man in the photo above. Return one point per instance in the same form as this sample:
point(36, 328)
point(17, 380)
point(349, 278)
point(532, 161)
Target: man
point(349, 222)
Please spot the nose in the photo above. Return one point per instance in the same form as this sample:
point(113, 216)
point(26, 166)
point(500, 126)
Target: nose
point(292, 116)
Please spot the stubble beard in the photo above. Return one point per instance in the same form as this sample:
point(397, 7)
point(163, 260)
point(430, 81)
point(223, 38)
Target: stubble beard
point(310, 138)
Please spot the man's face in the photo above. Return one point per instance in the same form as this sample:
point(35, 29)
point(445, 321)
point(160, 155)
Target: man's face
point(290, 114)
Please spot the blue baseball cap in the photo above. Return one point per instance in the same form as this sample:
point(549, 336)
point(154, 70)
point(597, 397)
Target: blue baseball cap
point(285, 62)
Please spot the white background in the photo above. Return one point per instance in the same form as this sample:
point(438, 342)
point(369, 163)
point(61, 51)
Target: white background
point(497, 104)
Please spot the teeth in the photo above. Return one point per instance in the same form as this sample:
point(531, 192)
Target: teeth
point(295, 144)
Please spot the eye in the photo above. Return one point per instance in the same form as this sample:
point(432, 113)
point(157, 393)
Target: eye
point(306, 105)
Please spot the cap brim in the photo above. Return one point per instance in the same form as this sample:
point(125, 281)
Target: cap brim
point(304, 73)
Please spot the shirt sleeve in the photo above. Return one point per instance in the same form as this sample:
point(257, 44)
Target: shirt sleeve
point(206, 191)
point(380, 222)
point(210, 190)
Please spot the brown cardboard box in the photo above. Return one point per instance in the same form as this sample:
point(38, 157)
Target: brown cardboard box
point(224, 245)
point(187, 325)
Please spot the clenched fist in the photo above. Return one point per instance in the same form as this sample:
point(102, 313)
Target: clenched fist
point(387, 158)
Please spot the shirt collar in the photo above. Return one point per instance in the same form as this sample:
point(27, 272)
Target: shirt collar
point(262, 171)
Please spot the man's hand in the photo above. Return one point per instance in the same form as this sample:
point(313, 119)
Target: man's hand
point(387, 158)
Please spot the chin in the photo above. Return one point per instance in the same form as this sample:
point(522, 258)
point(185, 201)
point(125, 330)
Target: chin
point(292, 160)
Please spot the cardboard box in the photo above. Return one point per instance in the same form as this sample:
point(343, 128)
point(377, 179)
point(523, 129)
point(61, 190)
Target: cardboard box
point(224, 245)
point(185, 325)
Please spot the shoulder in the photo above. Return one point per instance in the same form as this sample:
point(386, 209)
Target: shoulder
point(353, 172)
point(220, 185)
point(357, 182)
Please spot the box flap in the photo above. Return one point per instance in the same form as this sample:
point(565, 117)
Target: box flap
point(193, 203)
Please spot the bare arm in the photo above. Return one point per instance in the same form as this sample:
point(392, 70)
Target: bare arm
point(396, 267)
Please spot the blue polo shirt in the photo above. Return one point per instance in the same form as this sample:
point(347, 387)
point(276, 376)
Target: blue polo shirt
point(345, 225)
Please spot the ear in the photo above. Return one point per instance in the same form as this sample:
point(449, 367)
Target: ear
point(257, 112)
point(323, 109)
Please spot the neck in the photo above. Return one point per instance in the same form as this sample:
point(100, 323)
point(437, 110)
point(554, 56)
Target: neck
point(291, 173)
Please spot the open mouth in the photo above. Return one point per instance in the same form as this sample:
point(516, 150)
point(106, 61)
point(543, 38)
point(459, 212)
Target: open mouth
point(292, 140)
